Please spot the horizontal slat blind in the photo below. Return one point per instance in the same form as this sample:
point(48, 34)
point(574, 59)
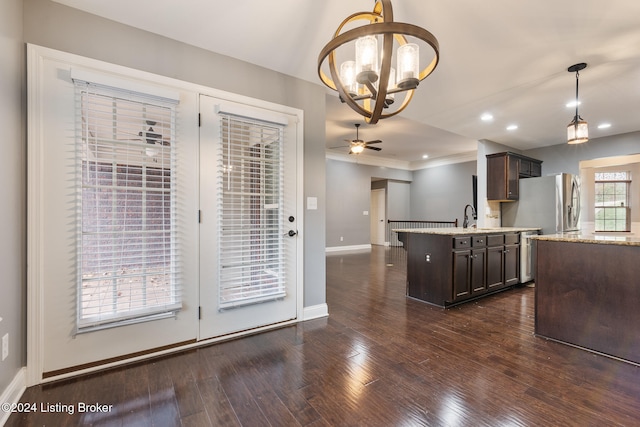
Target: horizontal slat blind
point(250, 219)
point(128, 261)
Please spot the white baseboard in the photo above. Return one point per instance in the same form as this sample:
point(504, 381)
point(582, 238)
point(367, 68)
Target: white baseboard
point(315, 312)
point(13, 393)
point(348, 248)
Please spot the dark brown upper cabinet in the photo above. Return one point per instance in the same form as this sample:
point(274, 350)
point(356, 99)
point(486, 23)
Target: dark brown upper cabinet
point(504, 171)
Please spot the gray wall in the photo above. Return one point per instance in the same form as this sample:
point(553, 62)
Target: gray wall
point(566, 158)
point(441, 193)
point(398, 200)
point(13, 190)
point(56, 26)
point(349, 189)
point(438, 193)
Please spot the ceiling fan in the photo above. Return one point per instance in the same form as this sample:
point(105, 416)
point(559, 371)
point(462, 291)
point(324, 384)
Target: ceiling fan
point(152, 137)
point(357, 146)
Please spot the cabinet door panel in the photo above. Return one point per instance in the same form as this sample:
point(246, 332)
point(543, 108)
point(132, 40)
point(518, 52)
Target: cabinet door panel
point(495, 267)
point(478, 270)
point(525, 168)
point(496, 178)
point(536, 169)
point(461, 272)
point(511, 264)
point(513, 174)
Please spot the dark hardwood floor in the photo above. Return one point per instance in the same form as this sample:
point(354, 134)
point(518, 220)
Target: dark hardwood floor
point(379, 359)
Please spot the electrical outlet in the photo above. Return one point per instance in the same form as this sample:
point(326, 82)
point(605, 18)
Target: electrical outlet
point(5, 346)
point(341, 239)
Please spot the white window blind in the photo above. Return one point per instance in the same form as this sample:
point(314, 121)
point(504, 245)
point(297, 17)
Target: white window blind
point(250, 212)
point(128, 269)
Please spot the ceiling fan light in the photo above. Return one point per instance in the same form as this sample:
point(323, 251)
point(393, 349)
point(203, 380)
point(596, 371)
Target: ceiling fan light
point(356, 149)
point(577, 131)
point(408, 65)
point(367, 59)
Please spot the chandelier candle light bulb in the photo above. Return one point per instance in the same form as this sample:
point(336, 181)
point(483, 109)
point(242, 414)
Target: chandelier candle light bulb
point(367, 59)
point(408, 66)
point(348, 77)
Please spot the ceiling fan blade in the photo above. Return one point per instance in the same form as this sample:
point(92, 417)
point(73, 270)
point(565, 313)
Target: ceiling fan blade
point(376, 141)
point(373, 148)
point(339, 146)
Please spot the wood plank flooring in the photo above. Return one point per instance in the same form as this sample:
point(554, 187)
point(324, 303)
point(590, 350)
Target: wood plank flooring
point(379, 359)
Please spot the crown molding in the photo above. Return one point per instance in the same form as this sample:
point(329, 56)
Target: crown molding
point(363, 159)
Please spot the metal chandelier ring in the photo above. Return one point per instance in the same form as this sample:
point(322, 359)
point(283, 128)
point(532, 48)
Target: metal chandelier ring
point(389, 31)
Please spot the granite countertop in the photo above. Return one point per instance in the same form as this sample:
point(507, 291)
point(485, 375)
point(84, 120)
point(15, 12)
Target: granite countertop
point(601, 239)
point(453, 231)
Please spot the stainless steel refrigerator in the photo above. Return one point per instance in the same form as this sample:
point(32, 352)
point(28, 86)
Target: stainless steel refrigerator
point(550, 202)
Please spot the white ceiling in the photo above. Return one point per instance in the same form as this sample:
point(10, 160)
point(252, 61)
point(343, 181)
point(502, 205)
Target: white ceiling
point(505, 57)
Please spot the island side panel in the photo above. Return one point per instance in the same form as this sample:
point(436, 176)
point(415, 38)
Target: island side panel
point(430, 280)
point(589, 295)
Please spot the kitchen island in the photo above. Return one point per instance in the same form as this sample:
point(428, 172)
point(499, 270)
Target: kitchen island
point(588, 292)
point(448, 266)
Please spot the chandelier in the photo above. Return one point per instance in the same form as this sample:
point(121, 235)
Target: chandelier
point(368, 83)
point(577, 130)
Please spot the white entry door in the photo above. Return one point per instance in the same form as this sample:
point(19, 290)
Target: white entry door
point(248, 217)
point(378, 216)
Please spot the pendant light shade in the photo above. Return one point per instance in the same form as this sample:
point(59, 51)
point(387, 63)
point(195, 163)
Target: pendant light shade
point(577, 130)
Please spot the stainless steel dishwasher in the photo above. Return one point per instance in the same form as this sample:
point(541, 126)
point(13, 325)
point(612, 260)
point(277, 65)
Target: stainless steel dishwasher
point(526, 256)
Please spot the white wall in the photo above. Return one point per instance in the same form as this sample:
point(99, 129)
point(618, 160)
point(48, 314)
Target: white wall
point(13, 190)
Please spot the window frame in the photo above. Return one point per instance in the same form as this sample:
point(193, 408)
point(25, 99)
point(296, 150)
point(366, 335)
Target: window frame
point(601, 208)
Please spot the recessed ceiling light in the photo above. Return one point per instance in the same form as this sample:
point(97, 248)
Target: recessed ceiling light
point(425, 156)
point(604, 125)
point(572, 104)
point(486, 117)
point(512, 127)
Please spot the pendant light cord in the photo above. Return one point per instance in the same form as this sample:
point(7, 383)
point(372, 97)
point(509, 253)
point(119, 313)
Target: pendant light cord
point(577, 77)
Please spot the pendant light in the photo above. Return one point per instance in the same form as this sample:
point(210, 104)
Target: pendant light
point(577, 130)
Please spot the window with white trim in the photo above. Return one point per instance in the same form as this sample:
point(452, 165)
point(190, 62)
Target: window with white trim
point(612, 211)
point(128, 269)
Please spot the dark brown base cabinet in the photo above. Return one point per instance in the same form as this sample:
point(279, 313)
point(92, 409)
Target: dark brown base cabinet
point(587, 295)
point(446, 270)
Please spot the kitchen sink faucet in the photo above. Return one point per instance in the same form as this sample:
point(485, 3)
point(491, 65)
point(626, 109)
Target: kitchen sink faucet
point(465, 222)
